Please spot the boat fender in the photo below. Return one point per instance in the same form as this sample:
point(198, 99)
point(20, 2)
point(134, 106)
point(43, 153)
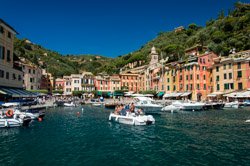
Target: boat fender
point(9, 113)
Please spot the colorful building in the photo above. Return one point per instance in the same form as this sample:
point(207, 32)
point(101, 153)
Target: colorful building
point(130, 82)
point(115, 83)
point(32, 76)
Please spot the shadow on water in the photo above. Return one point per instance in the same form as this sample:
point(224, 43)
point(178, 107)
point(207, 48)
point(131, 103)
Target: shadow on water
point(84, 136)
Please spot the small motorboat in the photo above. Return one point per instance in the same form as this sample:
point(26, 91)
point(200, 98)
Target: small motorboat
point(148, 105)
point(188, 106)
point(132, 119)
point(234, 104)
point(15, 121)
point(97, 104)
point(171, 108)
point(247, 121)
point(69, 104)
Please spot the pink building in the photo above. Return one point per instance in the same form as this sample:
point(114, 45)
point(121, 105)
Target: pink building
point(102, 83)
point(59, 84)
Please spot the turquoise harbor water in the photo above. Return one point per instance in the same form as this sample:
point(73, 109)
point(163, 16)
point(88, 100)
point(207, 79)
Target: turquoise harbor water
point(218, 137)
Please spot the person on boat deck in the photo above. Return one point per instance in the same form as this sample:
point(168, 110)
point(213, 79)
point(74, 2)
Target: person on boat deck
point(117, 109)
point(139, 111)
point(123, 110)
point(132, 108)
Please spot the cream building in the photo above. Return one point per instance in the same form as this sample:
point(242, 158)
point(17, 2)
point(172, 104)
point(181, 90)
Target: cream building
point(11, 74)
point(32, 76)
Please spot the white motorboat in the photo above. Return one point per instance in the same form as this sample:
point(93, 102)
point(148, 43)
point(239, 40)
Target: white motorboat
point(247, 121)
point(97, 104)
point(147, 104)
point(15, 121)
point(171, 108)
point(69, 104)
point(33, 116)
point(132, 119)
point(188, 106)
point(234, 104)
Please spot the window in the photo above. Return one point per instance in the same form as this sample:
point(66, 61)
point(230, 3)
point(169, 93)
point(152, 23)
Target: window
point(1, 30)
point(217, 78)
point(198, 86)
point(230, 65)
point(9, 35)
point(204, 60)
point(29, 70)
point(205, 87)
point(191, 86)
point(31, 80)
point(186, 87)
point(180, 86)
point(168, 79)
point(217, 68)
point(224, 66)
point(8, 56)
point(198, 77)
point(14, 76)
point(174, 88)
point(191, 77)
point(204, 68)
point(226, 86)
point(34, 72)
point(186, 77)
point(230, 76)
point(101, 82)
point(239, 74)
point(225, 76)
point(1, 74)
point(240, 87)
point(239, 65)
point(204, 77)
point(2, 52)
point(173, 79)
point(180, 77)
point(218, 87)
point(168, 87)
point(200, 60)
point(231, 85)
point(7, 75)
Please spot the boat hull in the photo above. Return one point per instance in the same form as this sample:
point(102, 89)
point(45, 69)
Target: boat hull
point(132, 120)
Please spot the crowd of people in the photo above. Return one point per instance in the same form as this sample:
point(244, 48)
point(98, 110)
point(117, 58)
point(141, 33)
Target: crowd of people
point(125, 109)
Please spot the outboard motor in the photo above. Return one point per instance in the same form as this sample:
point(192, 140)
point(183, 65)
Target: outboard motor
point(26, 121)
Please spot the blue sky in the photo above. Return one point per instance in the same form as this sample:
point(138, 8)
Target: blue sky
point(105, 27)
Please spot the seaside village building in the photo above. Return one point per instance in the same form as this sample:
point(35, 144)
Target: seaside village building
point(76, 82)
point(32, 75)
point(47, 81)
point(231, 74)
point(11, 74)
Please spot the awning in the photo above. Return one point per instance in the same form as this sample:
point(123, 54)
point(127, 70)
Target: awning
point(176, 94)
point(15, 92)
point(245, 94)
point(160, 94)
point(167, 95)
point(185, 94)
point(214, 94)
point(2, 92)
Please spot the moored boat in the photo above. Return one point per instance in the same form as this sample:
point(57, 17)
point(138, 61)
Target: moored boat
point(132, 119)
point(148, 105)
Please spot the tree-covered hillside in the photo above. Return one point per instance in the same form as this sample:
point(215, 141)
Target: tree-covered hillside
point(55, 63)
point(220, 35)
